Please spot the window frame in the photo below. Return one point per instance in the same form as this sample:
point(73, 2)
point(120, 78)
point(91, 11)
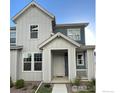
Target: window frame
point(26, 62)
point(74, 35)
point(80, 59)
point(30, 30)
point(32, 62)
point(38, 61)
point(12, 37)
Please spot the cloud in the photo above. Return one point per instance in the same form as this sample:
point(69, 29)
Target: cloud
point(90, 37)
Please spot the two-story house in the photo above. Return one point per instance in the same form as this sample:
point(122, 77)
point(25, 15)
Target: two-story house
point(40, 49)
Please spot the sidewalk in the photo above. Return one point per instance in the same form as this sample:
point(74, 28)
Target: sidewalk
point(59, 88)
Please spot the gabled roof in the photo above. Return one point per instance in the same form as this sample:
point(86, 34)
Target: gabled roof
point(59, 35)
point(33, 3)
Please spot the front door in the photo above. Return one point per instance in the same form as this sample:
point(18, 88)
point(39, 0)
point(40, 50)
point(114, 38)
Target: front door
point(59, 64)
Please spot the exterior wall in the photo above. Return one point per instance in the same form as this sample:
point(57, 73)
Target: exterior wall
point(58, 44)
point(16, 71)
point(85, 63)
point(82, 71)
point(32, 16)
point(28, 75)
point(13, 65)
point(90, 60)
point(63, 30)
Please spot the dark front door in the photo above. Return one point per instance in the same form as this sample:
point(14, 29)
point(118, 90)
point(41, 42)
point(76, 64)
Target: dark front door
point(66, 64)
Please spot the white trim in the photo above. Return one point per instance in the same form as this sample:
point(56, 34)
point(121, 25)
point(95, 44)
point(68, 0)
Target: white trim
point(59, 35)
point(32, 62)
point(81, 69)
point(74, 29)
point(30, 4)
point(81, 59)
point(30, 32)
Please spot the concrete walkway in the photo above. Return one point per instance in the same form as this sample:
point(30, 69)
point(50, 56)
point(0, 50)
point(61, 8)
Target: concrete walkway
point(59, 88)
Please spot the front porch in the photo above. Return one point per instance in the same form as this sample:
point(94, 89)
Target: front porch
point(59, 59)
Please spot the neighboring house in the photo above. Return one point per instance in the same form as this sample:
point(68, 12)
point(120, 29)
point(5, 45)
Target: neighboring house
point(40, 49)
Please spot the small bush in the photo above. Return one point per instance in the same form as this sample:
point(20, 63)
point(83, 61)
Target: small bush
point(76, 82)
point(94, 81)
point(47, 85)
point(11, 83)
point(19, 83)
point(90, 86)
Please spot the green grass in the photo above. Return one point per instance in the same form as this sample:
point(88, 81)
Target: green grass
point(43, 89)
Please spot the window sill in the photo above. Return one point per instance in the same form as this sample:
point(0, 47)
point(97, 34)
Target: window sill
point(81, 65)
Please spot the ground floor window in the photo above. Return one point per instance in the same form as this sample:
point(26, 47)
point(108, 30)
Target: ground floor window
point(27, 62)
point(37, 61)
point(32, 61)
point(80, 59)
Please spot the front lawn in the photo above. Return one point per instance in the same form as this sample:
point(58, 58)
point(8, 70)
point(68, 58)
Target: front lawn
point(45, 88)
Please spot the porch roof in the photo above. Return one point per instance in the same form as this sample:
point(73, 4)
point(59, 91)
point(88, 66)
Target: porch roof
point(86, 47)
point(59, 35)
point(15, 47)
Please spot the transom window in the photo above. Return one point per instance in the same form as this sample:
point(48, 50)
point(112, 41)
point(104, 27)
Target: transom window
point(74, 33)
point(33, 31)
point(37, 61)
point(27, 62)
point(12, 38)
point(80, 59)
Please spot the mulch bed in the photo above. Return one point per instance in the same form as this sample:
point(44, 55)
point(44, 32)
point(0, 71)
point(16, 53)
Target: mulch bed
point(30, 87)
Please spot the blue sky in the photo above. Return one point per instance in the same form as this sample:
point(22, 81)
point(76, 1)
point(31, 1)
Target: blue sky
point(65, 11)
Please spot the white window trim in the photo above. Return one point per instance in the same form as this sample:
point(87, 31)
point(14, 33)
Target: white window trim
point(74, 29)
point(32, 62)
point(37, 62)
point(78, 59)
point(30, 32)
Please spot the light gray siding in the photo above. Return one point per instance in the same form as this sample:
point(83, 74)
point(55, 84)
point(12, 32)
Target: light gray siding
point(13, 65)
point(32, 16)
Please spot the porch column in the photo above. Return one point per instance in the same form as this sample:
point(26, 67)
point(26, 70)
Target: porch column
point(72, 63)
point(90, 60)
point(46, 64)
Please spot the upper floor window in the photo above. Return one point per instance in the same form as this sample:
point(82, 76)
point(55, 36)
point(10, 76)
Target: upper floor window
point(12, 38)
point(80, 59)
point(33, 31)
point(74, 33)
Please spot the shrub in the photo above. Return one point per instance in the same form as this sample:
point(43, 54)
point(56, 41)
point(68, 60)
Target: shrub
point(76, 82)
point(94, 81)
point(90, 86)
point(19, 83)
point(47, 85)
point(11, 83)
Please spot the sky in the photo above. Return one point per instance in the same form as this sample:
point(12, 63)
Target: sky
point(65, 11)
